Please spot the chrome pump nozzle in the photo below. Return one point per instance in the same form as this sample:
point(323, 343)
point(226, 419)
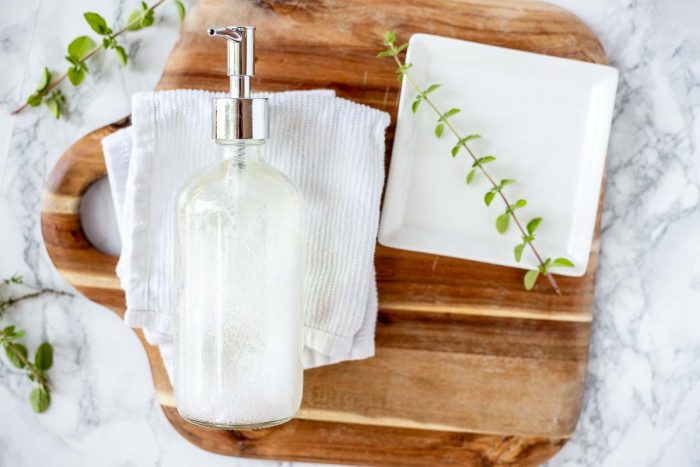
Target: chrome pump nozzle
point(240, 53)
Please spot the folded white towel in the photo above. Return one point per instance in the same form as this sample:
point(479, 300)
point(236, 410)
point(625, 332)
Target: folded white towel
point(333, 149)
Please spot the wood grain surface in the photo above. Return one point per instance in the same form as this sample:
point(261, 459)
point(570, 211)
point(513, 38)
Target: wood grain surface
point(470, 368)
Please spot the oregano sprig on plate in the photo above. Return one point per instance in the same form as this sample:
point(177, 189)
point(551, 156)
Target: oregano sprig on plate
point(83, 47)
point(478, 166)
point(17, 353)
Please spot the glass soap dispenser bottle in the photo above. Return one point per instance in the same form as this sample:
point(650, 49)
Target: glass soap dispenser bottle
point(238, 327)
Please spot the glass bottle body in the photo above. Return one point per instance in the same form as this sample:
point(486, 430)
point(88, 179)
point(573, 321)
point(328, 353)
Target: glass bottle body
point(238, 329)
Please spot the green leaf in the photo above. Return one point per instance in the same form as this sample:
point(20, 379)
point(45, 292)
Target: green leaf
point(455, 150)
point(488, 197)
point(8, 330)
point(530, 278)
point(431, 88)
point(35, 99)
point(401, 48)
point(383, 53)
point(148, 18)
point(466, 139)
point(450, 113)
point(389, 38)
point(502, 222)
point(40, 399)
point(97, 23)
point(80, 46)
point(121, 53)
point(416, 103)
point(76, 75)
point(180, 10)
point(483, 160)
point(563, 262)
point(521, 203)
point(44, 81)
point(54, 107)
point(439, 128)
point(14, 353)
point(518, 251)
point(43, 359)
point(533, 224)
point(470, 176)
point(134, 20)
point(506, 182)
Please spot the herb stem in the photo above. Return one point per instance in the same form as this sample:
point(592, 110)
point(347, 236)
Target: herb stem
point(61, 78)
point(15, 300)
point(456, 133)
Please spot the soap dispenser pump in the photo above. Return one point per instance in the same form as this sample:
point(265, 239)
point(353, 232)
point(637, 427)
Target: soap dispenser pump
point(238, 269)
point(239, 116)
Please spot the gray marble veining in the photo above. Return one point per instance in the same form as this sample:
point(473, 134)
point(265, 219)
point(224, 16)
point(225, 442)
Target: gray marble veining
point(642, 401)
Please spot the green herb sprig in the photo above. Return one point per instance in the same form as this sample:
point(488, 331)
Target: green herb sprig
point(16, 352)
point(40, 396)
point(478, 166)
point(83, 47)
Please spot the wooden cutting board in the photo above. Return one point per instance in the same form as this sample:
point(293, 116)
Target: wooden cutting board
point(470, 368)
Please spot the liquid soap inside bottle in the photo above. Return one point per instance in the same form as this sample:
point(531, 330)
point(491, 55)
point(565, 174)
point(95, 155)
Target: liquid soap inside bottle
point(239, 324)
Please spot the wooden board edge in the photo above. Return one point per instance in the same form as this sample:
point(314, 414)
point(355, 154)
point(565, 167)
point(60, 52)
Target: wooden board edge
point(331, 442)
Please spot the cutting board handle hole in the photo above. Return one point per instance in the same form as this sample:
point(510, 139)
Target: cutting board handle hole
point(99, 219)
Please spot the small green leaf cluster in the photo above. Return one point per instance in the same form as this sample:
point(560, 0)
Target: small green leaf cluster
point(77, 50)
point(491, 194)
point(14, 279)
point(53, 100)
point(393, 50)
point(544, 268)
point(462, 142)
point(5, 303)
point(18, 356)
point(402, 69)
point(419, 98)
point(99, 25)
point(140, 18)
point(503, 220)
point(527, 239)
point(16, 352)
point(440, 126)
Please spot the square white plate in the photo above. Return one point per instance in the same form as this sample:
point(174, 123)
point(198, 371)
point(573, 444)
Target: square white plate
point(546, 119)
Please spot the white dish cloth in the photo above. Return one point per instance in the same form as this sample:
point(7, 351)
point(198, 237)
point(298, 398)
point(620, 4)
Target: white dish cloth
point(333, 150)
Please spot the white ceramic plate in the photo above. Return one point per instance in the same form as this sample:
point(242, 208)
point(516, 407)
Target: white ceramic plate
point(546, 119)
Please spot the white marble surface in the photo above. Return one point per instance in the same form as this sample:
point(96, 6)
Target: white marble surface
point(642, 401)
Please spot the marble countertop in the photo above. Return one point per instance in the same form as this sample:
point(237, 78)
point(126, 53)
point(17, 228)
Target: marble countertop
point(642, 400)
